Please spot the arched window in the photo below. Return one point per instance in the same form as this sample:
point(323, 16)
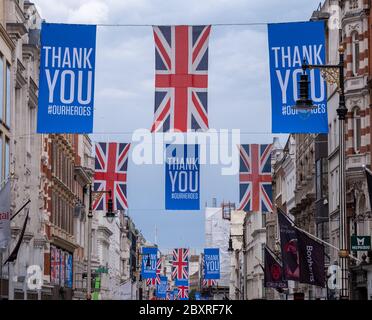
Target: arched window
point(355, 52)
point(357, 126)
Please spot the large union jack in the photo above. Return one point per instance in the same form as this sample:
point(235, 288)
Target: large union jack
point(255, 178)
point(183, 289)
point(181, 78)
point(180, 263)
point(111, 166)
point(156, 280)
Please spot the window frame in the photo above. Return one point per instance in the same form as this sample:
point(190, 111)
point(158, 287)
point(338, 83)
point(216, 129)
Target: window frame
point(357, 129)
point(355, 53)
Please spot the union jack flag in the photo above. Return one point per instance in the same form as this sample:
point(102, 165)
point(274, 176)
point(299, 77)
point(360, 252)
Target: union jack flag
point(180, 264)
point(209, 283)
point(181, 78)
point(183, 289)
point(255, 178)
point(156, 280)
point(111, 166)
point(54, 265)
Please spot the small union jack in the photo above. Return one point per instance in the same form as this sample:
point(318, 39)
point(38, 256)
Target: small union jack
point(180, 263)
point(183, 289)
point(255, 178)
point(209, 283)
point(111, 166)
point(181, 78)
point(54, 265)
point(156, 280)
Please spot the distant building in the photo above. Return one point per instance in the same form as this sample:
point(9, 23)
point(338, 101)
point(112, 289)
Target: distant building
point(236, 287)
point(217, 231)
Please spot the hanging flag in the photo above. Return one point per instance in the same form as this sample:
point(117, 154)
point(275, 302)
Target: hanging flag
point(170, 295)
point(289, 45)
point(62, 268)
point(211, 263)
point(181, 78)
point(180, 264)
point(111, 165)
point(13, 256)
point(66, 86)
point(5, 234)
point(182, 177)
point(311, 258)
point(255, 178)
point(69, 274)
point(289, 248)
point(273, 272)
point(156, 280)
point(175, 294)
point(161, 288)
point(149, 263)
point(369, 184)
point(183, 289)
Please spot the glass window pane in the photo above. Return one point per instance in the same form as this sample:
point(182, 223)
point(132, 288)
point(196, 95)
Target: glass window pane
point(7, 119)
point(1, 159)
point(1, 87)
point(7, 159)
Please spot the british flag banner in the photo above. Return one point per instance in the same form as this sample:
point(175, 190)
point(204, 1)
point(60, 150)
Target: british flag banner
point(111, 164)
point(183, 289)
point(181, 78)
point(180, 264)
point(155, 281)
point(255, 178)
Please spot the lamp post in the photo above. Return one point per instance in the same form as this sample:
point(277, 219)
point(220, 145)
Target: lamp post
point(109, 214)
point(333, 74)
point(230, 249)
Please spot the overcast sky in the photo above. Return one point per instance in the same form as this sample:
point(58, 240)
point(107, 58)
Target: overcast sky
point(238, 93)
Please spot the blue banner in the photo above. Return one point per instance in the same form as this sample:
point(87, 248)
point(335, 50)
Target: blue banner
point(149, 262)
point(175, 294)
point(211, 263)
point(161, 288)
point(182, 177)
point(197, 296)
point(66, 86)
point(289, 45)
point(69, 275)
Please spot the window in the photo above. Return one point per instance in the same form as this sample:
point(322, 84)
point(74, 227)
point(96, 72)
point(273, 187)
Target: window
point(1, 159)
point(7, 158)
point(7, 109)
point(1, 86)
point(263, 220)
point(357, 129)
point(355, 53)
point(353, 4)
point(318, 172)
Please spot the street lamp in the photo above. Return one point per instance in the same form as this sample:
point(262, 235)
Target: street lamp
point(110, 214)
point(333, 74)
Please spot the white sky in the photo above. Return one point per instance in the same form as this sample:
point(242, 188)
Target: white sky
point(238, 93)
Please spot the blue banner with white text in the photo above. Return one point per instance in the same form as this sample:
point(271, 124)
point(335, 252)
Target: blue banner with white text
point(289, 45)
point(66, 85)
point(149, 262)
point(161, 288)
point(211, 263)
point(182, 177)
